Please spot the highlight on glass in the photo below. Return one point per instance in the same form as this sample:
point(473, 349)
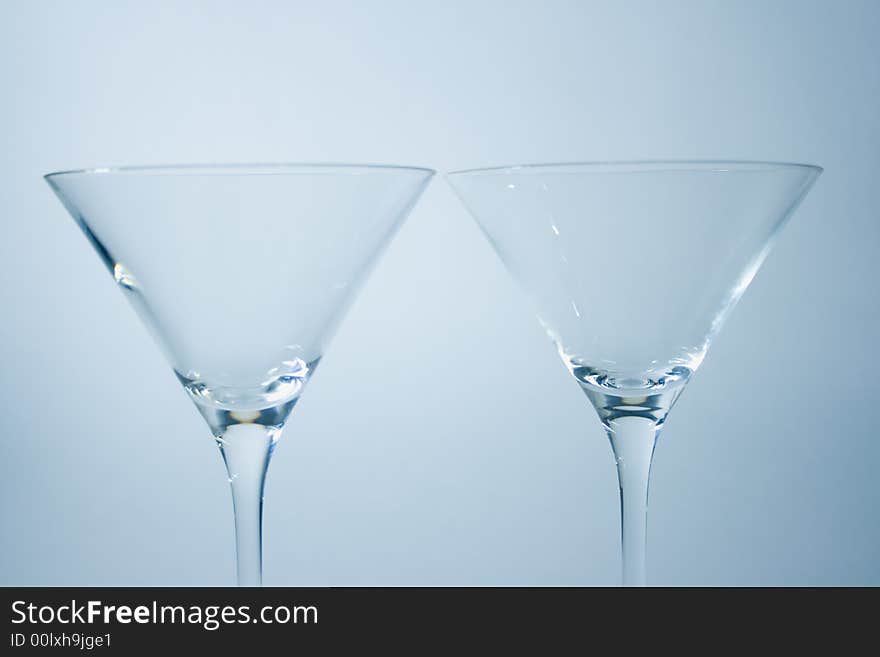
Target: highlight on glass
point(633, 268)
point(241, 273)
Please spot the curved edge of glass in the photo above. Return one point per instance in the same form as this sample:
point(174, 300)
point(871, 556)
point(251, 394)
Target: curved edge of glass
point(242, 169)
point(628, 166)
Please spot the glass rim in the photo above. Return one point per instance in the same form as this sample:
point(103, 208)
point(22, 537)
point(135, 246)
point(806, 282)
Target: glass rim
point(243, 169)
point(640, 166)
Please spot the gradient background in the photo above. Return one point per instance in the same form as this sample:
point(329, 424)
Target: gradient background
point(442, 441)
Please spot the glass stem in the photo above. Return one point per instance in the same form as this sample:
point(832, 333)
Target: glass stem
point(633, 439)
point(247, 449)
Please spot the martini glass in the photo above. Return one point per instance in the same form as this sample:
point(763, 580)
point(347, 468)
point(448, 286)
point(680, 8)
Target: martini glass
point(633, 268)
point(242, 274)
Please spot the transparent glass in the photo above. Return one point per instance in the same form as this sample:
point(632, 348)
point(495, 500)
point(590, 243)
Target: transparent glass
point(242, 274)
point(633, 268)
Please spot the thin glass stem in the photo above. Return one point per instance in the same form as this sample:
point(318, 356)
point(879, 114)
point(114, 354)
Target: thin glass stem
point(633, 439)
point(247, 449)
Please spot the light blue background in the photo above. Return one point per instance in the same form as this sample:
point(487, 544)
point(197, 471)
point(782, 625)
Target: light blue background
point(442, 441)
